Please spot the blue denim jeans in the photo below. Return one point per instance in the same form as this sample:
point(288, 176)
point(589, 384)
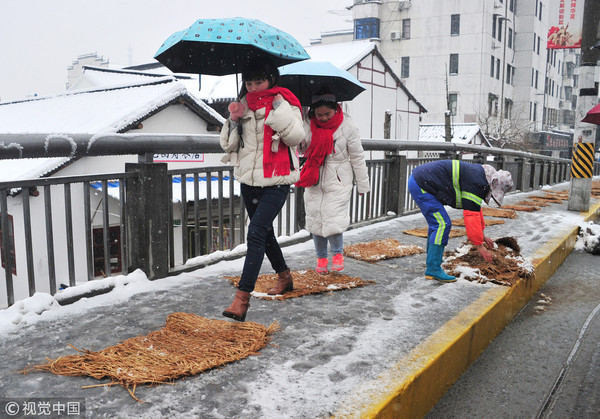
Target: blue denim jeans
point(336, 242)
point(263, 205)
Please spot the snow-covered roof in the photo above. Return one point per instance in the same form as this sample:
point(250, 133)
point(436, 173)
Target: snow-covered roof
point(20, 169)
point(202, 87)
point(93, 111)
point(343, 55)
point(93, 77)
point(97, 110)
point(461, 133)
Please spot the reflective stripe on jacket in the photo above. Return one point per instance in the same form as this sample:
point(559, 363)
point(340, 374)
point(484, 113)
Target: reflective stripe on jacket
point(454, 183)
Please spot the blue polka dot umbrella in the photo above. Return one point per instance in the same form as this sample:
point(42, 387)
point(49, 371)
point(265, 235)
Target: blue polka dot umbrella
point(222, 46)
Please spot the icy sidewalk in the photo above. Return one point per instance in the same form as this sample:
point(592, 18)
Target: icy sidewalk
point(329, 358)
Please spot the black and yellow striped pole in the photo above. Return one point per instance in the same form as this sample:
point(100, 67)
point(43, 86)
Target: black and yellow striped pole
point(582, 163)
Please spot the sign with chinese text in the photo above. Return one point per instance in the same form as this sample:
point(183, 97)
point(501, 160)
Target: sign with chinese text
point(179, 157)
point(566, 24)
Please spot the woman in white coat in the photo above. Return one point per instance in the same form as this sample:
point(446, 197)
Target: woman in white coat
point(260, 139)
point(334, 160)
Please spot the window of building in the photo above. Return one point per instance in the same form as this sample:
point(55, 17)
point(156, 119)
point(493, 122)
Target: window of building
point(366, 28)
point(497, 68)
point(534, 112)
point(508, 103)
point(509, 40)
point(11, 239)
point(532, 77)
point(492, 104)
point(511, 5)
point(534, 39)
point(538, 45)
point(500, 30)
point(453, 103)
point(405, 70)
point(537, 76)
point(453, 63)
point(492, 66)
point(454, 24)
point(493, 26)
point(508, 74)
point(405, 28)
point(114, 244)
point(540, 11)
point(568, 92)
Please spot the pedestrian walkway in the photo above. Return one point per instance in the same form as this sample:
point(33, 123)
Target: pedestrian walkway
point(389, 349)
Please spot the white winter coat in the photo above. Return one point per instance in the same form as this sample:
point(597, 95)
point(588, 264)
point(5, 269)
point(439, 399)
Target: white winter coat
point(327, 203)
point(286, 122)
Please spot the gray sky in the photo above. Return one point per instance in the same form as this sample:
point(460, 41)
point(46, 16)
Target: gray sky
point(41, 38)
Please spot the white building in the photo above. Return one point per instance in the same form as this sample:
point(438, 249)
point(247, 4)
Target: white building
point(150, 105)
point(485, 60)
point(385, 97)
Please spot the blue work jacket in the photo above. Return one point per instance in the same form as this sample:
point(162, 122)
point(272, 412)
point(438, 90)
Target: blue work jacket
point(454, 183)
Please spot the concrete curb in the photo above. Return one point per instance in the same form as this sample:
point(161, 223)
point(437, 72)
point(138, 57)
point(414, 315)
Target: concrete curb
point(413, 386)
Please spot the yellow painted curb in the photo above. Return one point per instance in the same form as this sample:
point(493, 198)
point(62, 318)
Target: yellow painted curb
point(413, 386)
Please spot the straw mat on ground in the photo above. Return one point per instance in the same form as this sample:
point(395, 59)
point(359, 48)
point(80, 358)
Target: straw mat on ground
point(380, 249)
point(557, 194)
point(526, 208)
point(422, 232)
point(187, 345)
point(489, 222)
point(546, 198)
point(306, 282)
point(532, 203)
point(497, 212)
point(507, 268)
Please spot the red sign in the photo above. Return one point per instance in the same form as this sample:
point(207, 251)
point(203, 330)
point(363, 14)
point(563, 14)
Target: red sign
point(566, 25)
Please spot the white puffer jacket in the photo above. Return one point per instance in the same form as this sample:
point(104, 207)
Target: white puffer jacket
point(247, 156)
point(327, 202)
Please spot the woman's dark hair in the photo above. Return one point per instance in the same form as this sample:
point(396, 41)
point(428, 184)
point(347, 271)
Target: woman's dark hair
point(314, 106)
point(323, 97)
point(260, 68)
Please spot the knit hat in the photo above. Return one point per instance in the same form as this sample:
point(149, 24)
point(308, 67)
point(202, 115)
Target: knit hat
point(500, 182)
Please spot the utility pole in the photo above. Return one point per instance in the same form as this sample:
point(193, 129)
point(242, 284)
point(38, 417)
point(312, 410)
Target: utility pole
point(583, 141)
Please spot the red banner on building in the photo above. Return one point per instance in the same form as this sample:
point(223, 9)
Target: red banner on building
point(566, 21)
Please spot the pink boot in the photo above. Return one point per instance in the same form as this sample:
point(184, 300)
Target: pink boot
point(322, 265)
point(338, 263)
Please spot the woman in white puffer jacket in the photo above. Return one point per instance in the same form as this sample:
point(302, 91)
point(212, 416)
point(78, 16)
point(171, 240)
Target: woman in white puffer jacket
point(335, 159)
point(260, 138)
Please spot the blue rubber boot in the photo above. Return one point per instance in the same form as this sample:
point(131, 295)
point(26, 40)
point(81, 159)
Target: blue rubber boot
point(434, 270)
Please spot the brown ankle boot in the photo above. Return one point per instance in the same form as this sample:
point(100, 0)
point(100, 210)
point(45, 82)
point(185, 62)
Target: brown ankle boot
point(284, 283)
point(238, 308)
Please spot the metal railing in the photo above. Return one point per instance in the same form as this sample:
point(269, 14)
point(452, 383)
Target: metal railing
point(161, 220)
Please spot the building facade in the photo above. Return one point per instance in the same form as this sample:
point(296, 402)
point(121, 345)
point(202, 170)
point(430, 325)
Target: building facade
point(486, 61)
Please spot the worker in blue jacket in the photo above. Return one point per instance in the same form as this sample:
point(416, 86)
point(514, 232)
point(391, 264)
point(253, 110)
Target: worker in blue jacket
point(459, 185)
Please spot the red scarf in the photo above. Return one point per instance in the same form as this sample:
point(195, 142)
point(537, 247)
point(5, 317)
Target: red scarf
point(320, 146)
point(274, 164)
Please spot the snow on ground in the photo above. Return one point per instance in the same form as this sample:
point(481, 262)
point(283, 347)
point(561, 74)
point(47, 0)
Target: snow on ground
point(330, 346)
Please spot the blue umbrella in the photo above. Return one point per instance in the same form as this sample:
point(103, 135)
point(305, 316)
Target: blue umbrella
point(222, 46)
point(307, 78)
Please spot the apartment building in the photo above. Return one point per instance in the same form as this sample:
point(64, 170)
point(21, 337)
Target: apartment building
point(484, 60)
